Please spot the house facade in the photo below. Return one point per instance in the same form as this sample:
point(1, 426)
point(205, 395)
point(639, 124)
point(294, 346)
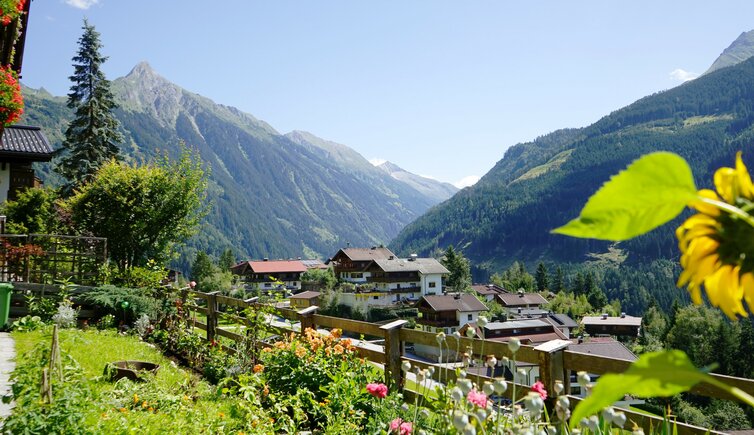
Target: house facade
point(521, 300)
point(269, 275)
point(445, 313)
point(623, 325)
point(21, 146)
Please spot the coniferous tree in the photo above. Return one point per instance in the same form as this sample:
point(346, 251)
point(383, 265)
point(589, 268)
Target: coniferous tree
point(558, 284)
point(543, 281)
point(92, 137)
point(227, 260)
point(460, 270)
point(202, 266)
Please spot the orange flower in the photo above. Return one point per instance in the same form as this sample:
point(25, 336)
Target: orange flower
point(300, 351)
point(338, 349)
point(258, 368)
point(266, 390)
point(336, 332)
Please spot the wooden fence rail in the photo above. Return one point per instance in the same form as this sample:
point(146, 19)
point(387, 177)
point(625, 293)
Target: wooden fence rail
point(555, 361)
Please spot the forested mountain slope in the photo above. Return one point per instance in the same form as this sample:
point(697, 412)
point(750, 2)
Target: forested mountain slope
point(272, 195)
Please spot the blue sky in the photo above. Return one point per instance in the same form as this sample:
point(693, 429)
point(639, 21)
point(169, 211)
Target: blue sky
point(441, 88)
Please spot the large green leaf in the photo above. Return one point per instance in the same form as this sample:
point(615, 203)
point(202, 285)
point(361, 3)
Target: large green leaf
point(655, 374)
point(651, 191)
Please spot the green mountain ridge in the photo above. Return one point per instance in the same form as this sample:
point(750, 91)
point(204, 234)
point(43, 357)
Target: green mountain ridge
point(540, 185)
point(272, 196)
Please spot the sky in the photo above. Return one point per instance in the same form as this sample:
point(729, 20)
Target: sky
point(440, 88)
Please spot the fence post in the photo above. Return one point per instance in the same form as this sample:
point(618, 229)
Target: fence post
point(551, 366)
point(211, 315)
point(306, 316)
point(393, 353)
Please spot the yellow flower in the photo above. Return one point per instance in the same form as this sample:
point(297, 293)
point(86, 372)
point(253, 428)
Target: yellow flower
point(717, 247)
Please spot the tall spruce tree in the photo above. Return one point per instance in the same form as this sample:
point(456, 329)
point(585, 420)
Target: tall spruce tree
point(92, 137)
point(460, 270)
point(543, 280)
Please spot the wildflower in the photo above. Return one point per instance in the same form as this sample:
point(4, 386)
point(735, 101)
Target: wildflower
point(136, 398)
point(258, 368)
point(300, 351)
point(476, 398)
point(123, 410)
point(377, 390)
point(336, 333)
point(144, 404)
point(338, 349)
point(395, 424)
point(539, 388)
point(406, 428)
point(221, 415)
point(266, 390)
point(714, 245)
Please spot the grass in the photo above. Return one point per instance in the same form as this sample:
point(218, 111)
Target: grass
point(180, 401)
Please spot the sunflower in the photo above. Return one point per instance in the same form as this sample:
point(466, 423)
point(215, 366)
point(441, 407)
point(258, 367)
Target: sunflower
point(717, 243)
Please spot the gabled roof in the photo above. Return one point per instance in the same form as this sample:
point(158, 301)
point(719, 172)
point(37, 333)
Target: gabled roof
point(603, 347)
point(487, 289)
point(269, 266)
point(314, 264)
point(463, 303)
point(424, 266)
point(365, 254)
point(24, 142)
point(612, 321)
point(513, 299)
point(306, 295)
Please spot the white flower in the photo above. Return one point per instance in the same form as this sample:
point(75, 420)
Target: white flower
point(482, 321)
point(491, 361)
point(583, 379)
point(514, 344)
point(619, 419)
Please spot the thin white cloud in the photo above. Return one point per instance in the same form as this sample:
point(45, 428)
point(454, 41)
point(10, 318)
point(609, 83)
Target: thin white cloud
point(377, 162)
point(81, 4)
point(50, 18)
point(466, 181)
point(682, 75)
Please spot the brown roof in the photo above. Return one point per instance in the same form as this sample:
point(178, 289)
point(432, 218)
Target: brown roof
point(512, 299)
point(270, 266)
point(366, 254)
point(463, 303)
point(538, 338)
point(25, 142)
point(306, 295)
point(603, 347)
point(487, 289)
point(612, 321)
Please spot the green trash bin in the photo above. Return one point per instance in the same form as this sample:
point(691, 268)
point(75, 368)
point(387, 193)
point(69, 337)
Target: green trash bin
point(6, 289)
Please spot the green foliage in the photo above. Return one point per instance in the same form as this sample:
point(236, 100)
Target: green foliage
point(27, 323)
point(110, 299)
point(324, 278)
point(227, 260)
point(33, 212)
point(542, 278)
point(150, 276)
point(202, 266)
point(575, 306)
point(695, 332)
point(515, 278)
point(650, 192)
point(143, 211)
point(656, 374)
point(92, 136)
point(460, 270)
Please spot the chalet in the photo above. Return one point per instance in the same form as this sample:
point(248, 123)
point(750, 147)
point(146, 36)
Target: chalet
point(487, 291)
point(445, 313)
point(448, 313)
point(20, 146)
point(532, 332)
point(521, 299)
point(350, 264)
point(304, 300)
point(624, 325)
point(560, 321)
point(271, 274)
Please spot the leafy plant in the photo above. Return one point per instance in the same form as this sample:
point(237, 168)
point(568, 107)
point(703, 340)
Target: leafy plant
point(27, 323)
point(111, 300)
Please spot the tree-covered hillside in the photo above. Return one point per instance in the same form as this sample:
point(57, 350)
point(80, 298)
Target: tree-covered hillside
point(541, 185)
point(272, 197)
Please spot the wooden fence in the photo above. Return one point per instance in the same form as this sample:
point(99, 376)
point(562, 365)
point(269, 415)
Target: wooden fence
point(555, 361)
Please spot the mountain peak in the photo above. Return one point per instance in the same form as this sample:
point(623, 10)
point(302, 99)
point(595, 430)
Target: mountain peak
point(141, 69)
point(390, 167)
point(740, 50)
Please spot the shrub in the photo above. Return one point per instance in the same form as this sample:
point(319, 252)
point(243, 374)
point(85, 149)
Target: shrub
point(110, 299)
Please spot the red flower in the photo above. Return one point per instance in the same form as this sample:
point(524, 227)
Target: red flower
point(11, 101)
point(377, 390)
point(476, 398)
point(401, 427)
point(539, 387)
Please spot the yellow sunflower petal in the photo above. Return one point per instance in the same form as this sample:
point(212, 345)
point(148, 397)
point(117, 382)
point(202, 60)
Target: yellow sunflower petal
point(732, 294)
point(725, 183)
point(744, 179)
point(703, 207)
point(747, 284)
point(696, 294)
point(712, 284)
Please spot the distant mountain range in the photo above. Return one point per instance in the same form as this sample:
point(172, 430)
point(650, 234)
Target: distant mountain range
point(273, 195)
point(540, 185)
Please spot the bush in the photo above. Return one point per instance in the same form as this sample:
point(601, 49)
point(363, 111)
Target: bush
point(111, 299)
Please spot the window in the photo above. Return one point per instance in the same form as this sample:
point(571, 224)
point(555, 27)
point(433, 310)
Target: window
point(471, 317)
point(432, 284)
point(375, 297)
point(357, 275)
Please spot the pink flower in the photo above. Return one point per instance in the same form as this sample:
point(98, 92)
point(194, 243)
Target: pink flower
point(401, 427)
point(192, 284)
point(539, 387)
point(406, 428)
point(377, 390)
point(395, 424)
point(476, 398)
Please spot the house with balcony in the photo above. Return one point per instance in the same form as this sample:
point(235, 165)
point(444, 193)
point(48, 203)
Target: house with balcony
point(381, 279)
point(520, 299)
point(445, 313)
point(20, 146)
point(271, 275)
point(488, 292)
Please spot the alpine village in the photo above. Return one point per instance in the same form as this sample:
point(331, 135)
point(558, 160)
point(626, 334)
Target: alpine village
point(173, 265)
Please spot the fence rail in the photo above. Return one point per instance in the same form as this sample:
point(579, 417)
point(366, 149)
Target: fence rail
point(555, 361)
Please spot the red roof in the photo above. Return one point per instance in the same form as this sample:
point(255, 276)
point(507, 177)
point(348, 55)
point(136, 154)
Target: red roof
point(272, 266)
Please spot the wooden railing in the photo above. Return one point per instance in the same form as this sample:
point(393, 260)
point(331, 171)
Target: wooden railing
point(555, 361)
